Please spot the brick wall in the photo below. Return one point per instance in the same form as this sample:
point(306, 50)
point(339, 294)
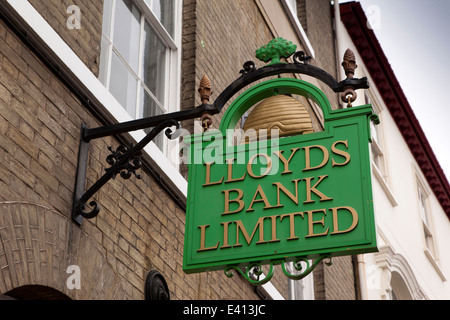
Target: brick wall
point(40, 121)
point(335, 282)
point(188, 66)
point(138, 229)
point(340, 280)
point(85, 42)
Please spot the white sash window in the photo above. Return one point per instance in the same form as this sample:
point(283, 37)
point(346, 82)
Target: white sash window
point(140, 56)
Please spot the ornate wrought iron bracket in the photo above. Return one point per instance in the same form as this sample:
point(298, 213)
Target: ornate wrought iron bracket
point(124, 161)
point(253, 272)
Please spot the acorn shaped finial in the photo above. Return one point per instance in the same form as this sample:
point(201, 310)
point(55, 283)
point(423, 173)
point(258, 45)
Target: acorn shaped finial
point(205, 89)
point(349, 63)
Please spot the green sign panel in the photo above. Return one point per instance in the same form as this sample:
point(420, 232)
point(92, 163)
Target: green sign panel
point(281, 199)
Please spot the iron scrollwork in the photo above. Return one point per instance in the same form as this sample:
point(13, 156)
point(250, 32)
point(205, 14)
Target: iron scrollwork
point(301, 57)
point(254, 274)
point(302, 272)
point(125, 161)
point(248, 67)
point(129, 168)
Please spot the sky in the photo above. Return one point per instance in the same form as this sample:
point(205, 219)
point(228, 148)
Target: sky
point(415, 37)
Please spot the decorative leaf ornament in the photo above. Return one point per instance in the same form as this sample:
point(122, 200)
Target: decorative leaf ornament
point(275, 50)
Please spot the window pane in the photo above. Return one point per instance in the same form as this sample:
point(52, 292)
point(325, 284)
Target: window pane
point(430, 245)
point(123, 85)
point(107, 13)
point(164, 11)
point(127, 32)
point(104, 58)
point(150, 108)
point(422, 206)
point(374, 132)
point(154, 64)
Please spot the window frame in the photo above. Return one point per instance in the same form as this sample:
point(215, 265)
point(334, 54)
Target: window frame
point(426, 219)
point(300, 289)
point(378, 157)
point(381, 174)
point(427, 227)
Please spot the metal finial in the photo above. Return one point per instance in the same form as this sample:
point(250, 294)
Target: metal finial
point(349, 63)
point(205, 93)
point(205, 89)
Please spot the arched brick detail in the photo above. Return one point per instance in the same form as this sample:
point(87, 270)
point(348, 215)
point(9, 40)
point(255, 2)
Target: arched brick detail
point(38, 244)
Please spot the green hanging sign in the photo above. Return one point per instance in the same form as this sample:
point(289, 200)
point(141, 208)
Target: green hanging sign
point(288, 199)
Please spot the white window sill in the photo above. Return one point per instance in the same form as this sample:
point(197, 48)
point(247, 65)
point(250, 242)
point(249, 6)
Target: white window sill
point(435, 264)
point(384, 185)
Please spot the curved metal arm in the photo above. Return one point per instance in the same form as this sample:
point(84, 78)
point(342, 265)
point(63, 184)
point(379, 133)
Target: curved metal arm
point(250, 75)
